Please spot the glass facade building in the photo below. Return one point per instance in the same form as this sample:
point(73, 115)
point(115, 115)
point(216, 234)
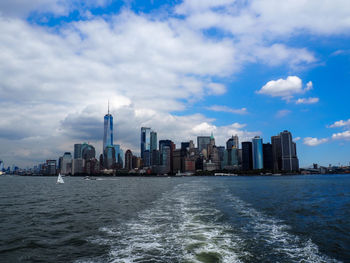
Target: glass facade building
point(247, 156)
point(202, 142)
point(154, 142)
point(258, 162)
point(290, 160)
point(145, 141)
point(108, 131)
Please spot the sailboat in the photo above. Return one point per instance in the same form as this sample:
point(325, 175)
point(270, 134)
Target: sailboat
point(60, 179)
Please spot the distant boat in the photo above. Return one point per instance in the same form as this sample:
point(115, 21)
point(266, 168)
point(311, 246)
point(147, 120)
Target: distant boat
point(60, 179)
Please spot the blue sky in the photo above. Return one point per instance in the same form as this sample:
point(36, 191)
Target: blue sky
point(184, 68)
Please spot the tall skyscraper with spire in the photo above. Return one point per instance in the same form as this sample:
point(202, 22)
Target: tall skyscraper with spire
point(108, 130)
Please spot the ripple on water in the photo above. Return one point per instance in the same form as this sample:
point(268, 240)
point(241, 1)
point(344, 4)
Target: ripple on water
point(184, 226)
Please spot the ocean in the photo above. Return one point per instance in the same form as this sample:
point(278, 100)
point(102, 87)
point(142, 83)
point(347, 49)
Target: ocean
point(178, 219)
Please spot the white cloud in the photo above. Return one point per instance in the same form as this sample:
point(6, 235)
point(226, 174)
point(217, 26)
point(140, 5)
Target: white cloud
point(341, 135)
point(307, 100)
point(221, 108)
point(23, 8)
point(310, 141)
point(340, 123)
point(309, 86)
point(270, 17)
point(296, 139)
point(284, 88)
point(282, 113)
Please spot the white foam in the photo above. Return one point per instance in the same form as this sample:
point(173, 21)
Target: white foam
point(172, 230)
point(183, 226)
point(274, 232)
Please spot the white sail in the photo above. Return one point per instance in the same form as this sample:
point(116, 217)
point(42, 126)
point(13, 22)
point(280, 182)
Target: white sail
point(60, 179)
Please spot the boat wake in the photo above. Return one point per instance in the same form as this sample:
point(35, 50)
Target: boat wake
point(185, 226)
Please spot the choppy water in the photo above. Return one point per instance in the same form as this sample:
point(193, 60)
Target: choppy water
point(195, 219)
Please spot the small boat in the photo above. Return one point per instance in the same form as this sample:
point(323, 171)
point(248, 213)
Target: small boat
point(89, 178)
point(60, 179)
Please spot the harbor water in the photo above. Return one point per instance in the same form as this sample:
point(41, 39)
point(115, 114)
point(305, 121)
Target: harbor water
point(178, 219)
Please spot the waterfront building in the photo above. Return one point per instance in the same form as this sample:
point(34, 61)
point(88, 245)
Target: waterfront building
point(109, 160)
point(247, 156)
point(268, 156)
point(92, 166)
point(136, 162)
point(155, 158)
point(154, 141)
point(119, 156)
point(209, 166)
point(66, 163)
point(202, 143)
point(108, 130)
point(128, 160)
point(239, 157)
point(177, 161)
point(276, 153)
point(290, 160)
point(232, 142)
point(172, 146)
point(77, 150)
point(258, 162)
point(145, 141)
point(146, 158)
point(50, 167)
point(166, 159)
point(78, 166)
point(1, 165)
point(230, 160)
point(221, 152)
point(87, 151)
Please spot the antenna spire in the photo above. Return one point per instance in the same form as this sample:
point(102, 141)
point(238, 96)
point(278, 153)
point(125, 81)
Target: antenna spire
point(108, 106)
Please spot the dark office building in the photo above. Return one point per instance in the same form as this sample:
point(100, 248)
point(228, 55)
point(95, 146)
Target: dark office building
point(171, 145)
point(77, 150)
point(276, 152)
point(290, 160)
point(247, 156)
point(185, 145)
point(268, 156)
point(128, 160)
point(155, 157)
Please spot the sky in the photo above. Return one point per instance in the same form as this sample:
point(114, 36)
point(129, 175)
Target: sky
point(183, 68)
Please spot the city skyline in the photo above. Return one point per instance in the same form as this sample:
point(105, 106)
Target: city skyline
point(184, 68)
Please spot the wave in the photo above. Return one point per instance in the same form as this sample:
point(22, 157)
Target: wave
point(184, 225)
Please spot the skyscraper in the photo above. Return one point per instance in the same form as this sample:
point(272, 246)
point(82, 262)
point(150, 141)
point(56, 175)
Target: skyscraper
point(268, 156)
point(145, 141)
point(77, 150)
point(232, 143)
point(66, 163)
point(169, 157)
point(276, 152)
point(290, 160)
point(108, 130)
point(109, 160)
point(154, 142)
point(258, 162)
point(87, 151)
point(202, 143)
point(247, 156)
point(128, 160)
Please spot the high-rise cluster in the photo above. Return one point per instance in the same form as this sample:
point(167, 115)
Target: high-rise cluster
point(279, 155)
point(163, 157)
